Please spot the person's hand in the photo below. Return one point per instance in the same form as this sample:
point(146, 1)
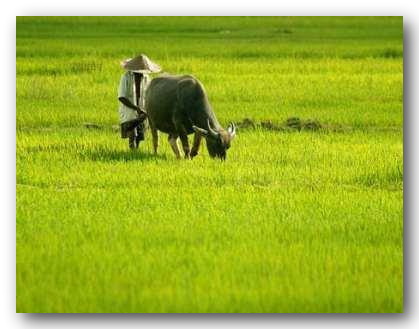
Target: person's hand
point(142, 115)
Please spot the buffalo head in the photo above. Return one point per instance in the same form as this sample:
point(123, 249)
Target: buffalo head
point(218, 141)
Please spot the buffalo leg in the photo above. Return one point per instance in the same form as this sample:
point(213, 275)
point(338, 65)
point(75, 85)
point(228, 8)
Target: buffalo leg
point(185, 145)
point(173, 144)
point(178, 121)
point(196, 143)
point(155, 136)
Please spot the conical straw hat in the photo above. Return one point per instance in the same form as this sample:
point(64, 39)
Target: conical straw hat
point(141, 63)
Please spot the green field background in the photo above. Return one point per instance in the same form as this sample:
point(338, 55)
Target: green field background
point(293, 221)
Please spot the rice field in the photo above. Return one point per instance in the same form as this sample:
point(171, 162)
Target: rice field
point(297, 219)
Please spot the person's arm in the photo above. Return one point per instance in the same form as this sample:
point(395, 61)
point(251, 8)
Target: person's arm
point(127, 103)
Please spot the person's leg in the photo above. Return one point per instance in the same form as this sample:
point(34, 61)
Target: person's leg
point(133, 130)
point(132, 141)
point(139, 134)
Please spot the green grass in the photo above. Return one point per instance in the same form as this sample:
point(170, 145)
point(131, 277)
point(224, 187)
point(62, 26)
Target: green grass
point(291, 222)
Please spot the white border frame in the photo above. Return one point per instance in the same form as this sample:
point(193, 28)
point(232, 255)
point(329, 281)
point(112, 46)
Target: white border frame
point(408, 9)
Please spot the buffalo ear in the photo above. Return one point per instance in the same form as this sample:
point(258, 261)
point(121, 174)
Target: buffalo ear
point(200, 130)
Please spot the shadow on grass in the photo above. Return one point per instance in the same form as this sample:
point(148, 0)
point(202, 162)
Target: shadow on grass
point(108, 155)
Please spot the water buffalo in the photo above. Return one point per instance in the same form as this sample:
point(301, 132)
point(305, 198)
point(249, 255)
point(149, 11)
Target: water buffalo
point(178, 106)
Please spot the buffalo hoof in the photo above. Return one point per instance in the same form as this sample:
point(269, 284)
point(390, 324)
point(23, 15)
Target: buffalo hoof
point(194, 154)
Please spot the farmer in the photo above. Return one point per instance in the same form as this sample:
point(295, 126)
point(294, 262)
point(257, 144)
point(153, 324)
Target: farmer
point(131, 95)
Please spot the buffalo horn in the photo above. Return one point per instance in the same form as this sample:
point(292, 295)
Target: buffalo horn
point(200, 130)
point(232, 129)
point(212, 131)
